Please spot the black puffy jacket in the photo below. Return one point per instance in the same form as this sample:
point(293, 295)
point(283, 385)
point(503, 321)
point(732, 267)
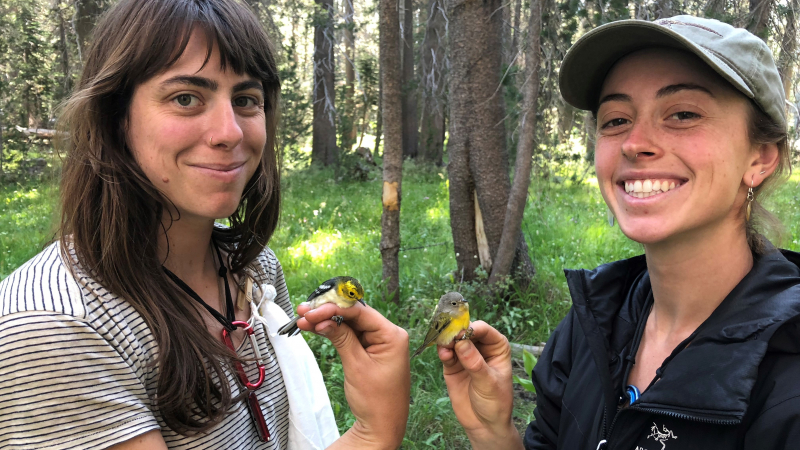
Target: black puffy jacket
point(737, 386)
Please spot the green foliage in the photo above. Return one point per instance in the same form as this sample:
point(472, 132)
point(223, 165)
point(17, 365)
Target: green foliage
point(529, 361)
point(295, 123)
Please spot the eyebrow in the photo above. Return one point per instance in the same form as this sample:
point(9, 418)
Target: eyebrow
point(211, 85)
point(200, 82)
point(663, 92)
point(614, 98)
point(673, 88)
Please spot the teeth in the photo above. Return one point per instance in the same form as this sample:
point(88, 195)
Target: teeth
point(648, 188)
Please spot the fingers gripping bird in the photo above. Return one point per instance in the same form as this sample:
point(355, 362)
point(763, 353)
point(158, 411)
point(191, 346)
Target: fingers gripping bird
point(342, 291)
point(450, 317)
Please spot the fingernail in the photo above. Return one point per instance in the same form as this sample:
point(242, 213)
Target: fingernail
point(325, 330)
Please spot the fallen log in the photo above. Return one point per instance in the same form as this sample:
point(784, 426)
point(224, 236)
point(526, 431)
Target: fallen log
point(38, 132)
point(516, 350)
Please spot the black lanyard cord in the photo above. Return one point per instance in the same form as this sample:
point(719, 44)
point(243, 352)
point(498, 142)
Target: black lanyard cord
point(226, 322)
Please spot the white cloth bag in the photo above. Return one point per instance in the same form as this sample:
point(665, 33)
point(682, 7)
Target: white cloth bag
point(311, 422)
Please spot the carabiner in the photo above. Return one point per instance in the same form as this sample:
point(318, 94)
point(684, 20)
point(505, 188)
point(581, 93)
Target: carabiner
point(261, 369)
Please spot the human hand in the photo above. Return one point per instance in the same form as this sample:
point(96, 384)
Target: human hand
point(377, 377)
point(477, 372)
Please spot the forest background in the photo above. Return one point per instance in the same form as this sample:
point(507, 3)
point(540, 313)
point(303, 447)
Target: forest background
point(372, 91)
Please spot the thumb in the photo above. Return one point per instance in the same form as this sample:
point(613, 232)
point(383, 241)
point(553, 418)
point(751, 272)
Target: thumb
point(472, 361)
point(342, 337)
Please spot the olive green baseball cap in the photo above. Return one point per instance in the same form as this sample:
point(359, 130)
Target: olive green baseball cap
point(737, 55)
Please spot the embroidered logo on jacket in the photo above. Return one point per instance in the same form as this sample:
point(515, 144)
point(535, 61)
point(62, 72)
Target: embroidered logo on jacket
point(661, 436)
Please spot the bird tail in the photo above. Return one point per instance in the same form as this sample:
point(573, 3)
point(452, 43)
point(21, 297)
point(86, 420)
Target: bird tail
point(419, 350)
point(290, 328)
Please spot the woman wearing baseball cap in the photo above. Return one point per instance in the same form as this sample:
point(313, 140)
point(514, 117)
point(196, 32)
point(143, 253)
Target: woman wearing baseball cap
point(696, 343)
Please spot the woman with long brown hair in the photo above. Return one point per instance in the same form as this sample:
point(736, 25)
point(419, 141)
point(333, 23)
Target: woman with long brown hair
point(146, 325)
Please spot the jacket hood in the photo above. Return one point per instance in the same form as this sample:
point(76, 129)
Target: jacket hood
point(712, 377)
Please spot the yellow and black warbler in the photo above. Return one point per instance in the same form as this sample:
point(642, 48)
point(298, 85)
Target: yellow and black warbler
point(342, 291)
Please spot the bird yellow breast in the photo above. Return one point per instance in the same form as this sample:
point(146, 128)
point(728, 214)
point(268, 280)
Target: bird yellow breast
point(460, 322)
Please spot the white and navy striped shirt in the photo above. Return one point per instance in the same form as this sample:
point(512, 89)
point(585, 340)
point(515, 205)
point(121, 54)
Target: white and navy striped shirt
point(77, 366)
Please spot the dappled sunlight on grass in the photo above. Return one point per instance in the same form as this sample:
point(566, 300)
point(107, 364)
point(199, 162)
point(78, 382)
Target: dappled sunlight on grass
point(319, 248)
point(436, 213)
point(27, 216)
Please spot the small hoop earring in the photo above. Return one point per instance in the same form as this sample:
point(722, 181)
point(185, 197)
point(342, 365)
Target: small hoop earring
point(750, 198)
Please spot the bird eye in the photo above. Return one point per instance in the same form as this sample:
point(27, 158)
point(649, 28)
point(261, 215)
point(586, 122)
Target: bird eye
point(454, 303)
point(352, 294)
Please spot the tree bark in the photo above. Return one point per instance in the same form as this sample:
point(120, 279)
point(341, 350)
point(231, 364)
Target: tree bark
point(432, 81)
point(664, 9)
point(517, 28)
point(522, 170)
point(349, 73)
point(393, 147)
point(409, 88)
point(86, 14)
point(63, 47)
point(379, 119)
point(789, 47)
point(477, 145)
point(323, 145)
point(759, 17)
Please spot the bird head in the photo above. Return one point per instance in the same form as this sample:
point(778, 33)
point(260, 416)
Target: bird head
point(351, 289)
point(453, 302)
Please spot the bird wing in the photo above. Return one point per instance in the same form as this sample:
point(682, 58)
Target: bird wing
point(323, 288)
point(438, 323)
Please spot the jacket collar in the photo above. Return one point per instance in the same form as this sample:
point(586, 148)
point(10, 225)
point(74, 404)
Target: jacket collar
point(700, 380)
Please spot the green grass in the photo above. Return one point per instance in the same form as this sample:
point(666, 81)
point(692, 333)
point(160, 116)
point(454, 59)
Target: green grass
point(332, 228)
point(26, 222)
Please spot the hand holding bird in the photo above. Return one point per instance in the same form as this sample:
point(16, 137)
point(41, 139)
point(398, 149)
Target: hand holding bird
point(374, 355)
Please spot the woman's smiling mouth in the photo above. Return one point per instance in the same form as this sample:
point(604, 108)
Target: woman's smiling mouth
point(222, 172)
point(650, 187)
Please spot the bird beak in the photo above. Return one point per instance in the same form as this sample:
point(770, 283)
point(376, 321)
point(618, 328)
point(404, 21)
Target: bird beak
point(463, 300)
point(362, 302)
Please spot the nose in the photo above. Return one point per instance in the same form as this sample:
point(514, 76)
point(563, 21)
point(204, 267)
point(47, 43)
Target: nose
point(639, 144)
point(224, 129)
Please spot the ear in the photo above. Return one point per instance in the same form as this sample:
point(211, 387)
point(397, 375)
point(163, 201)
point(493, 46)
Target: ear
point(763, 163)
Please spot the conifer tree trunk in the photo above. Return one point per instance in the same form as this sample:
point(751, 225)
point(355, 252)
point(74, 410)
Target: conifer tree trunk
point(409, 88)
point(432, 82)
point(478, 169)
point(86, 14)
point(522, 169)
point(786, 61)
point(391, 79)
point(349, 73)
point(323, 140)
point(759, 17)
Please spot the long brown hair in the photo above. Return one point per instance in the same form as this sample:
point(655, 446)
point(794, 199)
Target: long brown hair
point(111, 214)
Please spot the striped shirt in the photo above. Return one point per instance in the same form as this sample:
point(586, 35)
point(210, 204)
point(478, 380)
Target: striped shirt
point(77, 366)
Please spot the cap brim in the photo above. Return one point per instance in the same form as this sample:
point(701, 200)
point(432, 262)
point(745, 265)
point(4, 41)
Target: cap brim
point(587, 63)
